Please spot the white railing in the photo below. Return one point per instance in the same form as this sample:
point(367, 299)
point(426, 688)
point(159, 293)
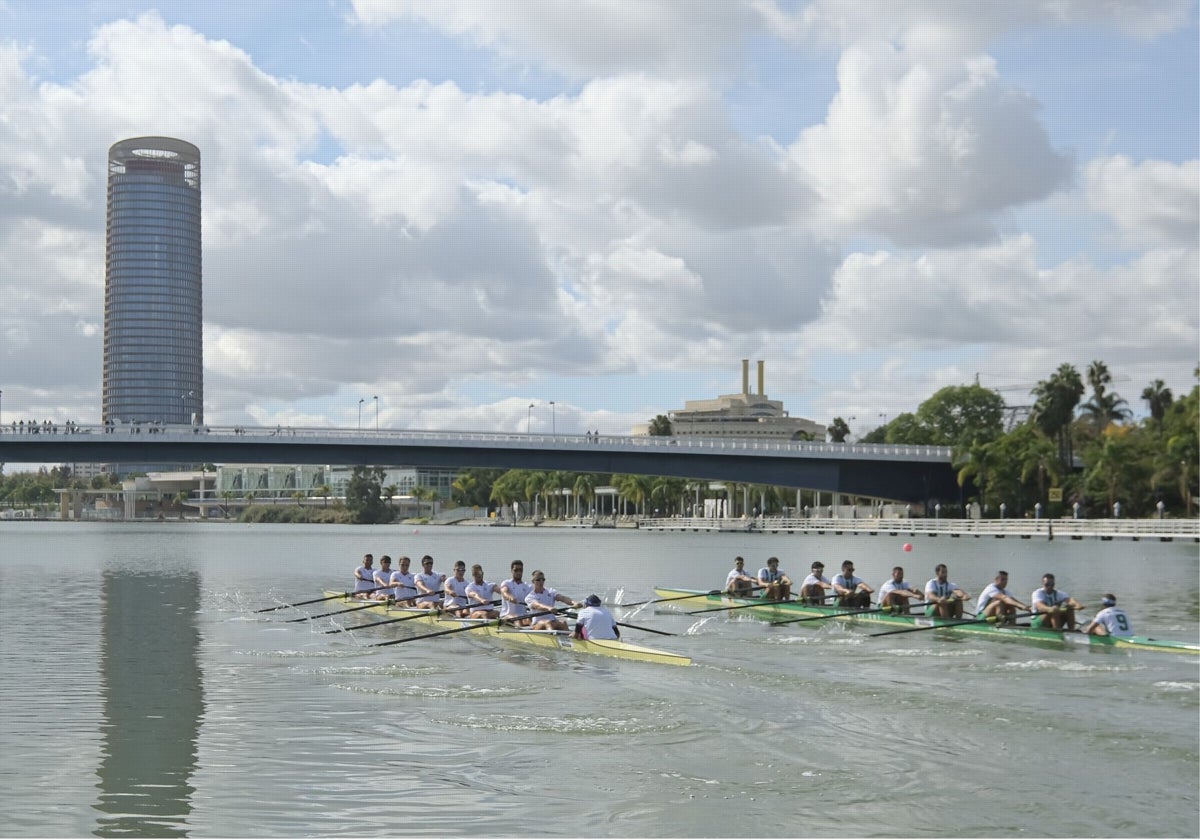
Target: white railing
point(1045, 528)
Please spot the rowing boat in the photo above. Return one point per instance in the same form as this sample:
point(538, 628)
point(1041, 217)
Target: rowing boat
point(554, 639)
point(782, 610)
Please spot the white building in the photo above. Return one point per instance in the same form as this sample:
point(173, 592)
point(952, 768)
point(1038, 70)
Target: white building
point(744, 415)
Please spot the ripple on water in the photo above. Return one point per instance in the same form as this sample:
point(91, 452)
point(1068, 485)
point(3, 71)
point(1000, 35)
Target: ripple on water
point(344, 653)
point(1176, 686)
point(565, 724)
point(1065, 665)
point(462, 692)
point(371, 670)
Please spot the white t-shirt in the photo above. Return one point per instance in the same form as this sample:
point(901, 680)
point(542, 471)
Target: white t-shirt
point(403, 586)
point(940, 590)
point(484, 591)
point(988, 595)
point(598, 623)
point(364, 579)
point(518, 591)
point(850, 583)
point(817, 580)
point(766, 574)
point(1050, 599)
point(433, 582)
point(1115, 621)
point(455, 593)
point(737, 574)
point(382, 578)
point(540, 602)
point(890, 586)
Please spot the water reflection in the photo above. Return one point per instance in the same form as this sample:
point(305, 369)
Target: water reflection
point(153, 702)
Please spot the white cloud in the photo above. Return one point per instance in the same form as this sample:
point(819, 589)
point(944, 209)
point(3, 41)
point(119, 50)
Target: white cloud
point(1154, 203)
point(926, 155)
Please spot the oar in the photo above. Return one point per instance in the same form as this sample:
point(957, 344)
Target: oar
point(645, 629)
point(365, 606)
point(499, 622)
point(991, 619)
point(755, 604)
point(683, 597)
point(420, 614)
point(319, 600)
point(841, 615)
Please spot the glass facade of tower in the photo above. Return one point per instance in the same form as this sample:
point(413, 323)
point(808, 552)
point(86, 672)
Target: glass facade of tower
point(153, 307)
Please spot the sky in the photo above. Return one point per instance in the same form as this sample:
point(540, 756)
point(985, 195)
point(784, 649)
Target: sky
point(435, 214)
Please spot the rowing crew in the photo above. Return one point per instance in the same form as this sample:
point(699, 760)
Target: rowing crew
point(529, 604)
point(1050, 607)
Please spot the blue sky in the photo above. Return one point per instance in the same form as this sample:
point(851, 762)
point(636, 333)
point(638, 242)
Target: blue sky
point(467, 206)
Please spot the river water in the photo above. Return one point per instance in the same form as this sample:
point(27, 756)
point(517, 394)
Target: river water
point(140, 695)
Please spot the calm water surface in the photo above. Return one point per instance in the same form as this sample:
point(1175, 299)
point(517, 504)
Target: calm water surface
point(155, 702)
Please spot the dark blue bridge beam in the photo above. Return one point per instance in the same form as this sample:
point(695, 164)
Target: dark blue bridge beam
point(913, 474)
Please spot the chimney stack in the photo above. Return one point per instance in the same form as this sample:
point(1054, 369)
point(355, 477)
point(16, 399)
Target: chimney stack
point(745, 376)
point(760, 378)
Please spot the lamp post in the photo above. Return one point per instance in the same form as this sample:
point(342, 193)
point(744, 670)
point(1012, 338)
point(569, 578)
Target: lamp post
point(360, 402)
point(1, 408)
point(553, 423)
point(1003, 507)
point(528, 418)
point(376, 398)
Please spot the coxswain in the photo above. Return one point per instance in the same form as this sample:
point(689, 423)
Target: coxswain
point(595, 622)
point(1110, 621)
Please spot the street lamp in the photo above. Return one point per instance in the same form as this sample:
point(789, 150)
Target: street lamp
point(360, 402)
point(528, 418)
point(553, 423)
point(376, 398)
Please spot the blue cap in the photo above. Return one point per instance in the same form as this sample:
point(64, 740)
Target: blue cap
point(592, 600)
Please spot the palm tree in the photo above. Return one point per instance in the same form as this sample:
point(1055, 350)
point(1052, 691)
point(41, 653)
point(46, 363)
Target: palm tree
point(390, 492)
point(226, 497)
point(1055, 401)
point(298, 496)
point(1104, 407)
point(1039, 458)
point(1158, 399)
point(585, 491)
point(325, 490)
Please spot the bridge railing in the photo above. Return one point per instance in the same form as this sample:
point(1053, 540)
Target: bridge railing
point(493, 439)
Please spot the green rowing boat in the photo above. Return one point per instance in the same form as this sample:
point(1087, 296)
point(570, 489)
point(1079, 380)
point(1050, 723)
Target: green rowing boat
point(687, 599)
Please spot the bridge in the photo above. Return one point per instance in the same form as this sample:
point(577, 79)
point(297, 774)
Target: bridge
point(899, 472)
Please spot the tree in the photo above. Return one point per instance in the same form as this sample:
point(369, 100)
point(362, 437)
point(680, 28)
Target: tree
point(906, 428)
point(363, 496)
point(1056, 399)
point(962, 415)
point(585, 490)
point(1103, 407)
point(838, 430)
point(660, 426)
point(226, 497)
point(180, 500)
point(326, 491)
point(1158, 399)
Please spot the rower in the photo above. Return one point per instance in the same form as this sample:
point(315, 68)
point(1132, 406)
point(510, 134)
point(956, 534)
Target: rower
point(512, 595)
point(945, 598)
point(1110, 621)
point(454, 600)
point(812, 591)
point(428, 583)
point(364, 577)
point(737, 582)
point(1053, 608)
point(776, 585)
point(404, 586)
point(541, 599)
point(595, 622)
point(995, 601)
point(852, 591)
point(479, 595)
point(382, 580)
point(897, 592)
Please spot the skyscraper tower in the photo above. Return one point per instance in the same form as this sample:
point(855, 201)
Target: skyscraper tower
point(153, 304)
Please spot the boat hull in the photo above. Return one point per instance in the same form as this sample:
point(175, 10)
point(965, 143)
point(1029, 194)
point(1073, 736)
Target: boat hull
point(781, 611)
point(544, 639)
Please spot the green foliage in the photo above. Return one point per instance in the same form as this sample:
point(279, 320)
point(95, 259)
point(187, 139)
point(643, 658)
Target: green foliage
point(364, 496)
point(660, 426)
point(961, 416)
point(838, 430)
